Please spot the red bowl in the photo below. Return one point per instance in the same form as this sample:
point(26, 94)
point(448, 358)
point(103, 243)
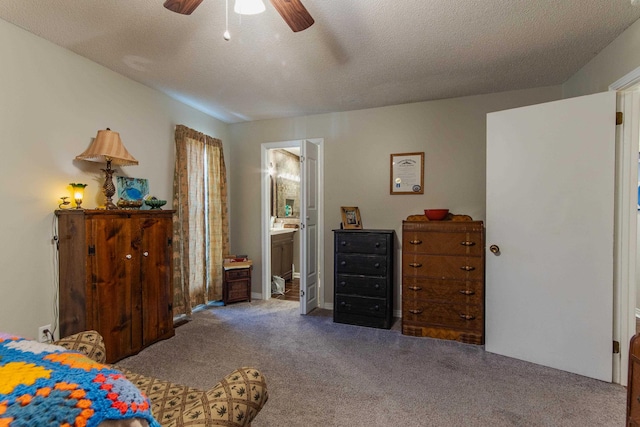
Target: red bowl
point(436, 214)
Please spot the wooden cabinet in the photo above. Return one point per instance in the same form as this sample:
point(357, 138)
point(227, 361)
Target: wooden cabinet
point(115, 271)
point(282, 255)
point(443, 280)
point(363, 277)
point(237, 284)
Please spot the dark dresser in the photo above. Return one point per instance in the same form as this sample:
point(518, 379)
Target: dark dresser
point(363, 277)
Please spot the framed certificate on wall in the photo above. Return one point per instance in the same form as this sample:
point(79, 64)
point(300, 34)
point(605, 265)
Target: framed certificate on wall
point(407, 173)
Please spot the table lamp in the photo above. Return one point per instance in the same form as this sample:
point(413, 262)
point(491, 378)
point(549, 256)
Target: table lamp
point(107, 147)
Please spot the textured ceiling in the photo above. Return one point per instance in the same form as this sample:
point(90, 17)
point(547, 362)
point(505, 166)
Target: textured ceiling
point(359, 53)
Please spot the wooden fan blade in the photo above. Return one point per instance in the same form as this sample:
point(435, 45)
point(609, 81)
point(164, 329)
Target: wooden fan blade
point(294, 14)
point(185, 7)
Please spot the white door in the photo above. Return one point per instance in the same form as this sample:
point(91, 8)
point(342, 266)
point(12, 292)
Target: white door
point(550, 210)
point(309, 228)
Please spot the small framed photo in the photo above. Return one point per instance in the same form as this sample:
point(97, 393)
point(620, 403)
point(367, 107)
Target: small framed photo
point(351, 218)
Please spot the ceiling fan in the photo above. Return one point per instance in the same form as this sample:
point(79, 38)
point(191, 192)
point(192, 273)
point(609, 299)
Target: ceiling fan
point(292, 11)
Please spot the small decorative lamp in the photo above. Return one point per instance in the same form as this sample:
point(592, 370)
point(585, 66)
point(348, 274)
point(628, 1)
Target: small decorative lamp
point(107, 147)
point(78, 193)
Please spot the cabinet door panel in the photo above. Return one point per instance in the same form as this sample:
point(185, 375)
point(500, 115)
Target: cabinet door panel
point(113, 286)
point(155, 278)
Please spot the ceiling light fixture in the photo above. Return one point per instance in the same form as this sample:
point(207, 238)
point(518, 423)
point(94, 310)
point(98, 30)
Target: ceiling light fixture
point(249, 7)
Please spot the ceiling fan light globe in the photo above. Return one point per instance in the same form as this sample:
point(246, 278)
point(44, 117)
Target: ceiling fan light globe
point(249, 7)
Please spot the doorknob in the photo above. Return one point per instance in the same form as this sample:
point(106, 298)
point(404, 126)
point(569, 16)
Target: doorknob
point(495, 249)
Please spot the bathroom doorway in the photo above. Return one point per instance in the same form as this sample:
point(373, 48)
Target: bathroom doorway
point(284, 224)
point(292, 223)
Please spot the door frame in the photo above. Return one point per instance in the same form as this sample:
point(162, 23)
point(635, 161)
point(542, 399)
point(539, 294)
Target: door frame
point(265, 213)
point(626, 217)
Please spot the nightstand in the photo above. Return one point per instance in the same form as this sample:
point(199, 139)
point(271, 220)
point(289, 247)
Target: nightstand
point(236, 285)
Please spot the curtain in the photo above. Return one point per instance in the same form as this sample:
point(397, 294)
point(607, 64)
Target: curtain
point(200, 222)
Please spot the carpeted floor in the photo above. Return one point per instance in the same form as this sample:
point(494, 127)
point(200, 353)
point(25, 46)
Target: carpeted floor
point(320, 373)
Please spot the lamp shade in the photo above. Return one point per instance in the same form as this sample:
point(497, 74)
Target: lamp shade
point(248, 7)
point(108, 147)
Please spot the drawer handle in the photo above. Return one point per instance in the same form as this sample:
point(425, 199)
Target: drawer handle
point(415, 242)
point(467, 268)
point(376, 265)
point(467, 316)
point(343, 243)
point(344, 304)
point(128, 256)
point(145, 253)
point(343, 283)
point(415, 311)
point(376, 307)
point(343, 263)
point(377, 244)
point(415, 265)
point(468, 243)
point(377, 286)
point(415, 288)
point(467, 292)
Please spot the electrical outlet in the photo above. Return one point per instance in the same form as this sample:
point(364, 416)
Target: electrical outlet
point(44, 333)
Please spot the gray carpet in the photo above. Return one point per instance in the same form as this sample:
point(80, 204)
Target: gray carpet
point(321, 373)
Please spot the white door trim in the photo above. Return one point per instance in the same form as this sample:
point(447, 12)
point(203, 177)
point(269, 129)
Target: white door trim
point(625, 264)
point(265, 215)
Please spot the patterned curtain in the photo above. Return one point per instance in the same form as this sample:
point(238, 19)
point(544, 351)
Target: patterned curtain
point(200, 223)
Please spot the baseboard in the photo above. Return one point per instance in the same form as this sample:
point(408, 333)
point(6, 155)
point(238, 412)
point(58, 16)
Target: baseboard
point(637, 312)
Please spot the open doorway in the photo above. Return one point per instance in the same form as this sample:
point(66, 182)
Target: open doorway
point(292, 223)
point(284, 222)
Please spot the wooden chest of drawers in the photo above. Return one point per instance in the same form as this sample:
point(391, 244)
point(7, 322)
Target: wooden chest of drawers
point(363, 277)
point(443, 280)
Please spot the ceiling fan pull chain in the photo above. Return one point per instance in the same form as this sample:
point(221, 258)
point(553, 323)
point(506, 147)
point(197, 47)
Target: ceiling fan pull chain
point(226, 34)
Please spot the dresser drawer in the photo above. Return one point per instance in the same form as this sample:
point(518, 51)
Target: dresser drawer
point(443, 267)
point(375, 307)
point(361, 243)
point(467, 317)
point(238, 273)
point(373, 265)
point(361, 285)
point(443, 243)
point(416, 289)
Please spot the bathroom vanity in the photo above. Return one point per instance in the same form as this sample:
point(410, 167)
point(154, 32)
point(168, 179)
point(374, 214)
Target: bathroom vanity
point(282, 252)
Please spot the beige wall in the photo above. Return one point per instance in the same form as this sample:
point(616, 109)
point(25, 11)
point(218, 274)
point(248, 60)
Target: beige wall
point(357, 148)
point(615, 61)
point(52, 104)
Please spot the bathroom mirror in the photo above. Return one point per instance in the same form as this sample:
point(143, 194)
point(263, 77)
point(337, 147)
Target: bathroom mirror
point(285, 184)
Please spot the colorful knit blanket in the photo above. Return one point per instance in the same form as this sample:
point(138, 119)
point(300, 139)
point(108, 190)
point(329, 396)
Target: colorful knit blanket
point(47, 385)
